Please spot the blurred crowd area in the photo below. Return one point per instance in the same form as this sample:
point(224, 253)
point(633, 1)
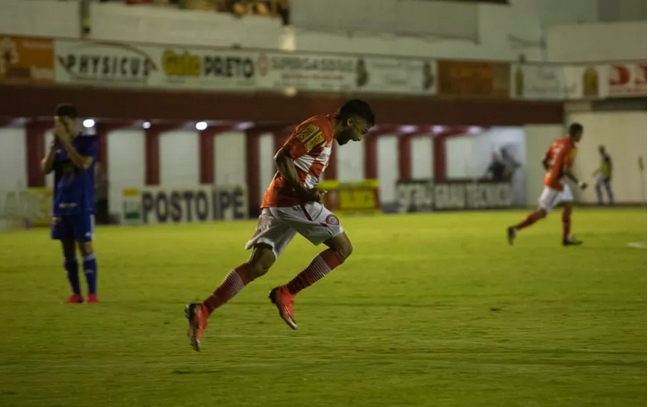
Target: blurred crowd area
point(239, 8)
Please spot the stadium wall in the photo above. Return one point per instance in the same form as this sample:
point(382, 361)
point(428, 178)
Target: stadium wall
point(598, 42)
point(504, 31)
point(12, 158)
point(624, 137)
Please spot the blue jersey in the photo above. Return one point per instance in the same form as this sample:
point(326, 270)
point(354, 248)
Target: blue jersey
point(74, 187)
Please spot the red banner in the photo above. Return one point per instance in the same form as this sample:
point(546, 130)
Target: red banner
point(627, 80)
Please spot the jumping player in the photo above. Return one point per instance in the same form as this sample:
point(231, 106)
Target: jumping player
point(72, 157)
point(291, 205)
point(558, 161)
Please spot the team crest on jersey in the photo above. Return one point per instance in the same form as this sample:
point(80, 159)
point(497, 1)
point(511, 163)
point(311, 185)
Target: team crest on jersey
point(310, 136)
point(332, 220)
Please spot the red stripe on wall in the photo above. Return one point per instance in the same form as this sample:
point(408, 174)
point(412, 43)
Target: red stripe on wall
point(35, 151)
point(206, 156)
point(404, 157)
point(152, 156)
point(252, 175)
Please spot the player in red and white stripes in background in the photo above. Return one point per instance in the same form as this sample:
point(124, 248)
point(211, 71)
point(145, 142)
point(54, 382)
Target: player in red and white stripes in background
point(291, 205)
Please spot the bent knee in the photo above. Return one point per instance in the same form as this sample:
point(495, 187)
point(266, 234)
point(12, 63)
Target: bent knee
point(256, 270)
point(344, 250)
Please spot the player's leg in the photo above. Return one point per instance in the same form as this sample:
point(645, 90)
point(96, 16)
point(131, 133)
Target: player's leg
point(339, 250)
point(83, 234)
point(546, 203)
point(599, 195)
point(319, 225)
point(259, 263)
point(72, 270)
point(61, 231)
point(608, 188)
point(566, 201)
point(269, 240)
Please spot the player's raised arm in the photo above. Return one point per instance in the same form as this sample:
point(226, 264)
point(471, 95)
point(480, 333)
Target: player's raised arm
point(82, 161)
point(47, 163)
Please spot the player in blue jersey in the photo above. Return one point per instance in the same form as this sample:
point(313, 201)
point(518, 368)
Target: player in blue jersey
point(72, 156)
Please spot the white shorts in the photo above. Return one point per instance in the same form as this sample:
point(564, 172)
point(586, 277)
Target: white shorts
point(550, 197)
point(277, 226)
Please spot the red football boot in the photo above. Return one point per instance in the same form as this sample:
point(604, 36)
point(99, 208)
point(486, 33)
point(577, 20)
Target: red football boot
point(74, 299)
point(197, 315)
point(92, 299)
point(283, 299)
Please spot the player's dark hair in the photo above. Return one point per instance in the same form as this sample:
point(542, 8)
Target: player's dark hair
point(356, 107)
point(575, 128)
point(66, 110)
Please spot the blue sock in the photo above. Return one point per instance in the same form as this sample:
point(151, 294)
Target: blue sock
point(72, 267)
point(90, 270)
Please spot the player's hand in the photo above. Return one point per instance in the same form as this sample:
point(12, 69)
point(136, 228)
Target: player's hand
point(60, 132)
point(582, 185)
point(321, 194)
point(309, 195)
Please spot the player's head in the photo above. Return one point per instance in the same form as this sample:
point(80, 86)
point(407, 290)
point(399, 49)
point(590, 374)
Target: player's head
point(602, 149)
point(66, 115)
point(354, 119)
point(576, 131)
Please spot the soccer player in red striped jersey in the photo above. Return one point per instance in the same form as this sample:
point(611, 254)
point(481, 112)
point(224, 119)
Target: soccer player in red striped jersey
point(291, 205)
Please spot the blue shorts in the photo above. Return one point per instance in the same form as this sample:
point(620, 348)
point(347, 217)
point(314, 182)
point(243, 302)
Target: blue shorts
point(79, 227)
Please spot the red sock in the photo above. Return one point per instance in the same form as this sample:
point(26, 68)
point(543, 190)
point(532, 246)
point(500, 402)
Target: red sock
point(566, 221)
point(318, 268)
point(231, 285)
point(530, 220)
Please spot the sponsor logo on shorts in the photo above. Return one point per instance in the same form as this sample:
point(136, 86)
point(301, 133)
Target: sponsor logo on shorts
point(332, 220)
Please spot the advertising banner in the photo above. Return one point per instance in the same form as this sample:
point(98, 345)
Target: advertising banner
point(586, 81)
point(31, 206)
point(26, 59)
point(394, 75)
point(309, 72)
point(202, 68)
point(425, 196)
point(540, 82)
point(103, 63)
point(627, 80)
point(154, 205)
point(352, 197)
point(470, 79)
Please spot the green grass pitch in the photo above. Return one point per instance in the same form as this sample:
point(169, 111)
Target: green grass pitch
point(430, 310)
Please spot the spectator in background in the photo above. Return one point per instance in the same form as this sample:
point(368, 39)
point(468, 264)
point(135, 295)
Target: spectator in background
point(510, 164)
point(605, 176)
point(496, 169)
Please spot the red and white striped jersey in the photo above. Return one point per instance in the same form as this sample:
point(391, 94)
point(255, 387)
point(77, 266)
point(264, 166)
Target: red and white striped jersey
point(310, 148)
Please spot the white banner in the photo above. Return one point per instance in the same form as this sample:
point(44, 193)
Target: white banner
point(586, 81)
point(542, 82)
point(308, 72)
point(627, 80)
point(425, 196)
point(392, 75)
point(153, 205)
point(86, 62)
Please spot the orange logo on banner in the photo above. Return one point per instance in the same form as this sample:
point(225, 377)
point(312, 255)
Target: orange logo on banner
point(474, 79)
point(25, 59)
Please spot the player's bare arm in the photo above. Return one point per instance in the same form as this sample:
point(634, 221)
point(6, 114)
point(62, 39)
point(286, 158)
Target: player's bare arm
point(567, 172)
point(47, 164)
point(77, 159)
point(286, 167)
